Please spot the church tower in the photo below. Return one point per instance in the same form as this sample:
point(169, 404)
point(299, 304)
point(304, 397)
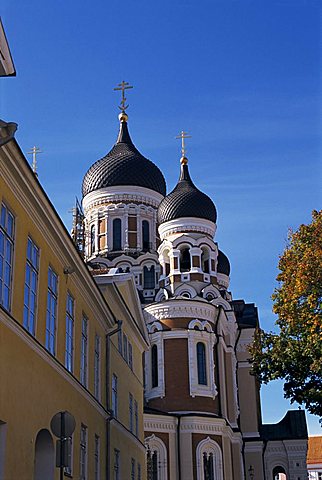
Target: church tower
point(121, 194)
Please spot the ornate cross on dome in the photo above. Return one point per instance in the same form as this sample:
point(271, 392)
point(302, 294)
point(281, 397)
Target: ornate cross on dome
point(183, 135)
point(34, 152)
point(123, 86)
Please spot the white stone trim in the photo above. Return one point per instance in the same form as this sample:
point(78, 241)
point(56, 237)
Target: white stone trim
point(201, 325)
point(208, 446)
point(187, 224)
point(160, 423)
point(122, 193)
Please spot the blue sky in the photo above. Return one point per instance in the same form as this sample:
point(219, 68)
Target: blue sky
point(242, 77)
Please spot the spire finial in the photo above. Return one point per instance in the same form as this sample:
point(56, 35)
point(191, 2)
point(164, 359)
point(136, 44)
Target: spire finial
point(183, 135)
point(34, 151)
point(123, 86)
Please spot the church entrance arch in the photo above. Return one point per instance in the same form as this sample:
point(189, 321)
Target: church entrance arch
point(279, 473)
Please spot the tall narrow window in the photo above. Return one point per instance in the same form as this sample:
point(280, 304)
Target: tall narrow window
point(119, 341)
point(145, 236)
point(185, 260)
point(208, 466)
point(117, 464)
point(69, 350)
point(125, 348)
point(148, 277)
point(92, 239)
point(131, 412)
point(97, 367)
point(130, 348)
point(51, 313)
point(139, 472)
point(154, 366)
point(83, 453)
point(117, 234)
point(114, 395)
point(201, 363)
point(152, 464)
point(84, 352)
point(136, 418)
point(97, 458)
point(132, 469)
point(31, 282)
point(6, 255)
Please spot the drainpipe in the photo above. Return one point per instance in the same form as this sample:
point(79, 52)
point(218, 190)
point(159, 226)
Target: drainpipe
point(107, 393)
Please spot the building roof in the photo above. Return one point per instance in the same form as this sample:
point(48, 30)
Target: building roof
point(186, 200)
point(291, 427)
point(123, 165)
point(314, 454)
point(7, 68)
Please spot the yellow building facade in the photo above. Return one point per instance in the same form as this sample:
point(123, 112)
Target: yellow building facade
point(59, 343)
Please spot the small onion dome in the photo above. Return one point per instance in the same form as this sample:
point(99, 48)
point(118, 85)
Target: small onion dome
point(223, 265)
point(123, 165)
point(186, 200)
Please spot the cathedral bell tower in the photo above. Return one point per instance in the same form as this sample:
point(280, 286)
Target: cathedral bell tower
point(121, 194)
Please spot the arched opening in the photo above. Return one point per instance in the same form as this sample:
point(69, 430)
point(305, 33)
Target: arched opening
point(156, 450)
point(201, 363)
point(279, 473)
point(148, 277)
point(117, 234)
point(208, 466)
point(154, 366)
point(205, 260)
point(185, 260)
point(209, 460)
point(92, 239)
point(166, 263)
point(145, 236)
point(44, 456)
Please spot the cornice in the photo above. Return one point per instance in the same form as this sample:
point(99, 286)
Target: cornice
point(180, 309)
point(187, 224)
point(117, 194)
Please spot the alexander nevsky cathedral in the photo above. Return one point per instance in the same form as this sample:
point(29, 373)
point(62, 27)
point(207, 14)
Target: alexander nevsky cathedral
point(202, 416)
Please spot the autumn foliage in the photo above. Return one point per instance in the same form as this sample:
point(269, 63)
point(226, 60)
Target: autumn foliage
point(295, 353)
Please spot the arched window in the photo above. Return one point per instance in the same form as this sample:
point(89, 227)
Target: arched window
point(145, 236)
point(148, 277)
point(209, 460)
point(201, 363)
point(92, 239)
point(44, 456)
point(205, 260)
point(117, 234)
point(157, 468)
point(154, 366)
point(279, 473)
point(185, 260)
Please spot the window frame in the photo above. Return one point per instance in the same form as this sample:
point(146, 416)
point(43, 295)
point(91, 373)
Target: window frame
point(69, 333)
point(8, 239)
point(83, 372)
point(51, 317)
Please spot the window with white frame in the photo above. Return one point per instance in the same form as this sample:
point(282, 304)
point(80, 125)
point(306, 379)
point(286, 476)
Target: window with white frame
point(154, 377)
point(31, 284)
point(117, 234)
point(156, 458)
point(114, 395)
point(209, 460)
point(51, 312)
point(93, 235)
point(201, 359)
point(7, 223)
point(154, 366)
point(84, 352)
point(83, 453)
point(97, 457)
point(69, 348)
point(97, 367)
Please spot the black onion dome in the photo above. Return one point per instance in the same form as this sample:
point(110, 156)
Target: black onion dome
point(223, 265)
point(186, 200)
point(123, 165)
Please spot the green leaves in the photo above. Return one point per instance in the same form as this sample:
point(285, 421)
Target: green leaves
point(295, 354)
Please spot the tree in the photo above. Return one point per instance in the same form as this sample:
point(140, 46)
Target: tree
point(295, 353)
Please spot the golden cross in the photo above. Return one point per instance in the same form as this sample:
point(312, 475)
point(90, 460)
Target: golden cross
point(34, 152)
point(183, 135)
point(123, 86)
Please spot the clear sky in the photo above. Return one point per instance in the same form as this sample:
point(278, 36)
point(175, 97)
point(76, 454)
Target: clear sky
point(242, 77)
